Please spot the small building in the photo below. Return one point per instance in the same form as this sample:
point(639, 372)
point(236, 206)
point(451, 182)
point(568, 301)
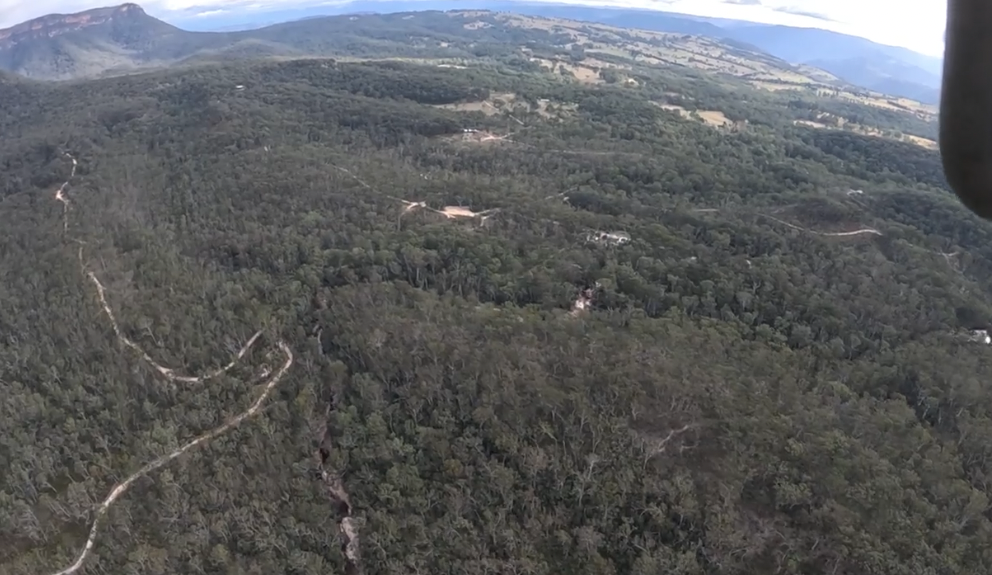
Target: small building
point(981, 336)
point(609, 238)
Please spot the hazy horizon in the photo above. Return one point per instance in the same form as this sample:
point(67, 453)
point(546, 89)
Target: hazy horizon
point(881, 21)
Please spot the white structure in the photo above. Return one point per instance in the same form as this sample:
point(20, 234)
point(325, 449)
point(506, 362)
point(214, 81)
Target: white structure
point(610, 238)
point(981, 336)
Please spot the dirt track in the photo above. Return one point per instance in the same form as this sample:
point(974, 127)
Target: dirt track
point(121, 488)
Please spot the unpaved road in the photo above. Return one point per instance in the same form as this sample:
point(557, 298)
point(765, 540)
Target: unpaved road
point(122, 487)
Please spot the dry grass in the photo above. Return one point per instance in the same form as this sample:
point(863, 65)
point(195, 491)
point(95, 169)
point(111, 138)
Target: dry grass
point(471, 107)
point(491, 107)
point(777, 86)
point(923, 142)
point(644, 47)
point(838, 123)
point(809, 123)
point(653, 48)
point(714, 118)
point(584, 74)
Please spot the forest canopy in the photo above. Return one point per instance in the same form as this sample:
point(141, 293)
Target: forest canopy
point(489, 320)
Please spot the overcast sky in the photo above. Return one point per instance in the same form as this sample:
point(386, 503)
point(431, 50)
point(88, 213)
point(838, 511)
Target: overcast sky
point(914, 24)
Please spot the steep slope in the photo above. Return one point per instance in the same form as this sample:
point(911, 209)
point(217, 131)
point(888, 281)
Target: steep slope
point(61, 46)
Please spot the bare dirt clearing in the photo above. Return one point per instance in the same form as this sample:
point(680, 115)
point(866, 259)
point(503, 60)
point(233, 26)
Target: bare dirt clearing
point(714, 118)
point(826, 121)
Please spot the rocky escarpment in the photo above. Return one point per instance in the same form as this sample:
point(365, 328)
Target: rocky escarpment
point(334, 485)
point(54, 25)
point(91, 43)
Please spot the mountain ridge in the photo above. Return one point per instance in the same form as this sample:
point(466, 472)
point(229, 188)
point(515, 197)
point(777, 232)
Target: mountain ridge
point(117, 39)
point(855, 59)
point(858, 60)
point(51, 25)
point(89, 43)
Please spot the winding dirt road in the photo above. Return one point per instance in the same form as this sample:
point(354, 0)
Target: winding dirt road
point(122, 487)
point(862, 231)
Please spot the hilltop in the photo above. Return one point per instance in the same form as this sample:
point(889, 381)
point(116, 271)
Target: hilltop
point(63, 46)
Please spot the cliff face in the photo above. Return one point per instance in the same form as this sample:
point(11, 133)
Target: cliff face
point(54, 25)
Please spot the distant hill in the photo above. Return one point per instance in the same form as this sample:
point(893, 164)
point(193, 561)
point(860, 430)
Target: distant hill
point(118, 39)
point(886, 69)
point(62, 46)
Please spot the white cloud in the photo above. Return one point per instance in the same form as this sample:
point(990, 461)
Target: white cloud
point(208, 13)
point(16, 11)
point(914, 24)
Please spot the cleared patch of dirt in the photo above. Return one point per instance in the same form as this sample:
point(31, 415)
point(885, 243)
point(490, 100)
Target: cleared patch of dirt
point(809, 123)
point(458, 212)
point(776, 86)
point(600, 64)
point(673, 108)
point(490, 107)
point(478, 137)
point(714, 118)
point(925, 142)
point(471, 107)
point(583, 74)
